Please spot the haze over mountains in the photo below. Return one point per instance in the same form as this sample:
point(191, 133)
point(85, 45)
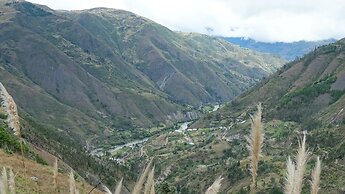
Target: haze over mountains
point(288, 51)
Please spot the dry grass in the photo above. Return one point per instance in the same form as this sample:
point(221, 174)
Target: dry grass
point(71, 181)
point(290, 179)
point(215, 187)
point(150, 181)
point(55, 173)
point(4, 179)
point(295, 172)
point(139, 185)
point(11, 182)
point(118, 187)
point(315, 183)
point(43, 174)
point(301, 161)
point(255, 142)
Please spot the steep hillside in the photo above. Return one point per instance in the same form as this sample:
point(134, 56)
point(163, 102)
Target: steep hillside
point(305, 95)
point(288, 51)
point(309, 90)
point(98, 71)
point(102, 77)
point(38, 178)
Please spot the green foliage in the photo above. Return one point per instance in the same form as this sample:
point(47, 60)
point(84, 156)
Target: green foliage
point(165, 188)
point(235, 172)
point(10, 143)
point(40, 160)
point(336, 94)
point(308, 93)
point(3, 115)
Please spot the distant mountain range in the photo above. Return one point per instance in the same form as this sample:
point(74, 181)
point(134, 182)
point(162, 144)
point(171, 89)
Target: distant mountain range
point(288, 51)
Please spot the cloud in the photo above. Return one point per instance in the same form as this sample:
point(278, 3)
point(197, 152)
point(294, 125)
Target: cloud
point(263, 20)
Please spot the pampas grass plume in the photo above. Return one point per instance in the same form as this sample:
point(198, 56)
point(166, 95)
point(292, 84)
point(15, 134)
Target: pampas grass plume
point(4, 179)
point(315, 183)
point(118, 187)
point(11, 182)
point(106, 189)
point(290, 179)
point(255, 142)
point(301, 161)
point(215, 187)
point(139, 185)
point(149, 181)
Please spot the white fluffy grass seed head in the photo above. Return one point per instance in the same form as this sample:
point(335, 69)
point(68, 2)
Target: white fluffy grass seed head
point(290, 177)
point(139, 185)
point(315, 182)
point(215, 187)
point(301, 162)
point(255, 143)
point(118, 187)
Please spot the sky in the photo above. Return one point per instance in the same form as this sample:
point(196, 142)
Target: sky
point(262, 20)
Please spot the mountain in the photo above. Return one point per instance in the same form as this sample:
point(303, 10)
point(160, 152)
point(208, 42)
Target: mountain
point(102, 76)
point(306, 94)
point(95, 71)
point(308, 89)
point(288, 51)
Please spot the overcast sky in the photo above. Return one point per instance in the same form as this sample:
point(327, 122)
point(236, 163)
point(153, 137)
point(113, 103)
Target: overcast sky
point(263, 20)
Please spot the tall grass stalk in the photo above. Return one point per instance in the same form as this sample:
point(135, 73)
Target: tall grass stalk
point(290, 177)
point(4, 179)
point(11, 182)
point(2, 186)
point(255, 142)
point(152, 189)
point(301, 161)
point(118, 187)
point(55, 173)
point(215, 187)
point(72, 186)
point(315, 183)
point(106, 189)
point(149, 181)
point(139, 185)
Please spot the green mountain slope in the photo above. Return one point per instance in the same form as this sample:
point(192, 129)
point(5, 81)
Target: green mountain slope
point(104, 69)
point(102, 76)
point(304, 95)
point(307, 90)
point(307, 94)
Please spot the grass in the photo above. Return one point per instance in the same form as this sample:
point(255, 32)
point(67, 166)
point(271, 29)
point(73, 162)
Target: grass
point(26, 184)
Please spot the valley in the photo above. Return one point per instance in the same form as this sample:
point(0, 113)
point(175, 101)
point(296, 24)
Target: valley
point(109, 93)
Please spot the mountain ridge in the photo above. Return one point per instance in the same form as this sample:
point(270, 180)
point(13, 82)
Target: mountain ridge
point(83, 79)
point(288, 51)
